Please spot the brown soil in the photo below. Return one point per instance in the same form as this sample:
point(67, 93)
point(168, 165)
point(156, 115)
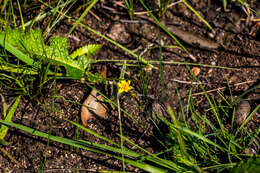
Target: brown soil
point(242, 53)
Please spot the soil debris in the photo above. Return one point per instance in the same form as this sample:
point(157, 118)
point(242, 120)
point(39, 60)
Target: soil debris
point(193, 40)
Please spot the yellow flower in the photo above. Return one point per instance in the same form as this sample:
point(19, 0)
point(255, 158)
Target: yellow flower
point(124, 86)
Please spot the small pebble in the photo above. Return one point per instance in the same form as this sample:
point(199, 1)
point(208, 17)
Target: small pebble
point(242, 111)
point(119, 34)
point(195, 71)
point(249, 150)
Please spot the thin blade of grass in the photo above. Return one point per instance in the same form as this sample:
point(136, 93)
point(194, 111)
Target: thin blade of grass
point(9, 156)
point(160, 66)
point(245, 93)
point(92, 132)
point(220, 166)
point(199, 136)
point(162, 162)
point(118, 45)
point(247, 119)
point(163, 27)
point(27, 71)
point(82, 16)
point(213, 107)
point(89, 146)
point(42, 15)
point(21, 15)
point(130, 7)
point(8, 118)
point(86, 145)
point(143, 166)
point(197, 14)
point(167, 62)
point(4, 5)
point(187, 158)
point(255, 136)
point(59, 7)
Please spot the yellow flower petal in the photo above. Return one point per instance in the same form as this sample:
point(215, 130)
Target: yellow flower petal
point(124, 86)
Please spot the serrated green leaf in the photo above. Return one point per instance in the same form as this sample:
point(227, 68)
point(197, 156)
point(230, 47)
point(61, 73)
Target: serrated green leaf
point(57, 53)
point(89, 49)
point(84, 53)
point(25, 45)
point(32, 42)
point(7, 41)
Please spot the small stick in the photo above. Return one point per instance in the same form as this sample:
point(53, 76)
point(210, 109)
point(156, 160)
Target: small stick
point(93, 14)
point(145, 12)
point(253, 20)
point(221, 88)
point(113, 10)
point(189, 82)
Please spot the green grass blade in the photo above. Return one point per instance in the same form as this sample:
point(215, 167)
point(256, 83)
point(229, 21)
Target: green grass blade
point(41, 16)
point(4, 5)
point(8, 118)
point(143, 166)
point(187, 158)
point(247, 119)
point(118, 45)
point(163, 27)
point(27, 71)
point(239, 98)
point(197, 14)
point(219, 166)
point(213, 107)
point(90, 147)
point(75, 143)
point(93, 133)
point(21, 15)
point(198, 136)
point(13, 50)
point(162, 162)
point(130, 7)
point(82, 16)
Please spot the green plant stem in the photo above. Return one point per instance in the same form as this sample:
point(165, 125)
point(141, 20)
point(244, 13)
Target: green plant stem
point(9, 156)
point(21, 15)
point(165, 62)
point(121, 131)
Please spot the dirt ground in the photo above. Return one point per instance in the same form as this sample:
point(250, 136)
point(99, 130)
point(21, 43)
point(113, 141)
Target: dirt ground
point(241, 53)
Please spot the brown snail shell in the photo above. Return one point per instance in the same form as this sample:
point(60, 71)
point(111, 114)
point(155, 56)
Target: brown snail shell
point(242, 111)
point(93, 106)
